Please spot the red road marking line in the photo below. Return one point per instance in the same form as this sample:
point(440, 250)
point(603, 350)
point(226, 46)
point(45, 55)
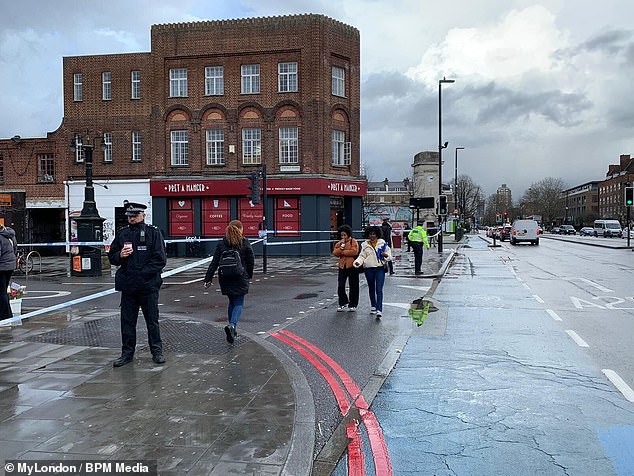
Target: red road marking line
point(340, 395)
point(356, 465)
point(382, 463)
point(356, 460)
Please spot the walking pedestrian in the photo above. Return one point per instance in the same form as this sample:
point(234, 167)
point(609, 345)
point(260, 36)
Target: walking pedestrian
point(234, 260)
point(7, 267)
point(386, 231)
point(347, 249)
point(139, 251)
point(374, 255)
point(418, 238)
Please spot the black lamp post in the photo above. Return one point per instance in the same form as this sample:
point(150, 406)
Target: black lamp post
point(455, 179)
point(440, 148)
point(89, 223)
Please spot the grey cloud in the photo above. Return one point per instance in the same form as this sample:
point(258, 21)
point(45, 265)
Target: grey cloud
point(613, 43)
point(499, 104)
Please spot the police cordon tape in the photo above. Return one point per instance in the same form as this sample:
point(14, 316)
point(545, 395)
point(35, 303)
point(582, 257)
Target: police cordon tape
point(195, 240)
point(107, 292)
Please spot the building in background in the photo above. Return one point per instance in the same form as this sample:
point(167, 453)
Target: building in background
point(389, 199)
point(611, 191)
point(503, 199)
point(581, 204)
point(182, 127)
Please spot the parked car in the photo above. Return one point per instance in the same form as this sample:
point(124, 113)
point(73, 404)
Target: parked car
point(567, 230)
point(525, 231)
point(586, 231)
point(628, 232)
point(555, 230)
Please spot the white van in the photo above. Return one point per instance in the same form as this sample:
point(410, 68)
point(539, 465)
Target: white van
point(525, 231)
point(607, 228)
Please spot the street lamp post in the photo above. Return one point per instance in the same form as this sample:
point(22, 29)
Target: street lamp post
point(440, 148)
point(455, 179)
point(89, 223)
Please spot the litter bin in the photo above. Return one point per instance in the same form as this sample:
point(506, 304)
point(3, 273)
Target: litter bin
point(87, 262)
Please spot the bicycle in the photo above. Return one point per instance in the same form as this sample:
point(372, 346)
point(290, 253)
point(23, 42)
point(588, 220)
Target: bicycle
point(23, 262)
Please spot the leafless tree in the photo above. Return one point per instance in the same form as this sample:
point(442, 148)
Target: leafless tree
point(468, 195)
point(544, 198)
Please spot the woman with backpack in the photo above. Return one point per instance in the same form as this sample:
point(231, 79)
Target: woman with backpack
point(7, 267)
point(234, 261)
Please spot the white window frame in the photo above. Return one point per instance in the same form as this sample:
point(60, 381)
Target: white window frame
point(287, 77)
point(179, 147)
point(80, 153)
point(250, 78)
point(215, 146)
point(289, 145)
point(107, 146)
point(136, 146)
point(46, 167)
point(106, 85)
point(338, 81)
point(214, 80)
point(178, 82)
point(78, 87)
point(251, 146)
point(135, 80)
point(341, 150)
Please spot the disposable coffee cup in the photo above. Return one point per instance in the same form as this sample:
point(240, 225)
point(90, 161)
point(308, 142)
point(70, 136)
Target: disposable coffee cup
point(127, 245)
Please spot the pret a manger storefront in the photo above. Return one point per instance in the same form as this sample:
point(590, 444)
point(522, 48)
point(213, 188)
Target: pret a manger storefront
point(307, 209)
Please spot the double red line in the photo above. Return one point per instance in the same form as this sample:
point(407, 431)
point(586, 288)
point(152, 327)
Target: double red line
point(356, 463)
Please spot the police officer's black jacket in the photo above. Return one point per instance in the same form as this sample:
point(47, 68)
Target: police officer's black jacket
point(238, 285)
point(141, 271)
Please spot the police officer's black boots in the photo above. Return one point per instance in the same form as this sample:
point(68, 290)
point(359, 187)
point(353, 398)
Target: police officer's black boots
point(121, 361)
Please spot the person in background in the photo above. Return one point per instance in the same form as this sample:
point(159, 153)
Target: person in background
point(347, 249)
point(139, 251)
point(234, 287)
point(406, 230)
point(418, 238)
point(7, 267)
point(386, 231)
point(373, 257)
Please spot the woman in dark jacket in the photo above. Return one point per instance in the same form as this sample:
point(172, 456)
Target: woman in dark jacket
point(234, 287)
point(7, 266)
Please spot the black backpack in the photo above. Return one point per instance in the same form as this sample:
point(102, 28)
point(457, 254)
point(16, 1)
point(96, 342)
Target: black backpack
point(230, 264)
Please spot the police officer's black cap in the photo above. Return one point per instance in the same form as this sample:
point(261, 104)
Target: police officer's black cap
point(133, 209)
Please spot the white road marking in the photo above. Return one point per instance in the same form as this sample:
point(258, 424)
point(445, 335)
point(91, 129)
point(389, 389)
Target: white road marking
point(538, 299)
point(580, 342)
point(400, 305)
point(49, 294)
point(592, 283)
point(553, 314)
point(618, 382)
point(526, 286)
point(520, 279)
point(417, 288)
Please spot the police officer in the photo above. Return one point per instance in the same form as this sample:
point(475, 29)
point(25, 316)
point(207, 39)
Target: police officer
point(139, 251)
point(418, 238)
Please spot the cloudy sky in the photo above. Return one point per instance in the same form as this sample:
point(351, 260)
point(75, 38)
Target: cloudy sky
point(543, 89)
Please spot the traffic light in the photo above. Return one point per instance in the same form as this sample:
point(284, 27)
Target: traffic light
point(442, 205)
point(505, 216)
point(255, 188)
point(629, 196)
point(498, 218)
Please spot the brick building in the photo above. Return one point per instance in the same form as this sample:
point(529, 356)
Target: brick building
point(612, 190)
point(182, 127)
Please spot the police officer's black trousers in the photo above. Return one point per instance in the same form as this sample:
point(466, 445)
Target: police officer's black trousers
point(418, 255)
point(130, 304)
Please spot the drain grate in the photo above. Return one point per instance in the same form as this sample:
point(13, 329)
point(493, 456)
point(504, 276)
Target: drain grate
point(188, 337)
